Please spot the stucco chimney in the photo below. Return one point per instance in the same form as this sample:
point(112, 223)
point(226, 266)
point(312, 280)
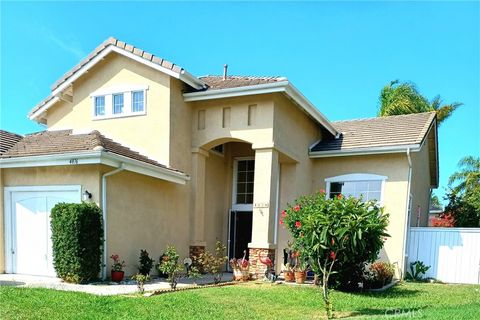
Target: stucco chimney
point(225, 68)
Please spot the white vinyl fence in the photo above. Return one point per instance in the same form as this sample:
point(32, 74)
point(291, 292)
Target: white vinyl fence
point(453, 254)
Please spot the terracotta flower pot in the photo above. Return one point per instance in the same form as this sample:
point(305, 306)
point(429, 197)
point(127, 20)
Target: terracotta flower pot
point(300, 276)
point(117, 276)
point(289, 276)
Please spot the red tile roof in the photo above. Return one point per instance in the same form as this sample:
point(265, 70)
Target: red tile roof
point(8, 140)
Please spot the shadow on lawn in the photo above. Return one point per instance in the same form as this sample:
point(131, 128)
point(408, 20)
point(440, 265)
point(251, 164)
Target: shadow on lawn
point(394, 292)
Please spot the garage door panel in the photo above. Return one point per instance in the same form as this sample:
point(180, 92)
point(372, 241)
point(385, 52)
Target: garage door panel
point(28, 223)
point(30, 235)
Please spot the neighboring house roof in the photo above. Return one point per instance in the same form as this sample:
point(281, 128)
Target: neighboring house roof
point(381, 134)
point(8, 140)
point(56, 146)
point(219, 82)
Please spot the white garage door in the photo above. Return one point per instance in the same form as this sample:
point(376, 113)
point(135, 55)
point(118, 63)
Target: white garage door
point(28, 242)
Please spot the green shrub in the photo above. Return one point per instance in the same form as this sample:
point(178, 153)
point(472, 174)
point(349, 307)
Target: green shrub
point(77, 237)
point(337, 236)
point(170, 266)
point(145, 263)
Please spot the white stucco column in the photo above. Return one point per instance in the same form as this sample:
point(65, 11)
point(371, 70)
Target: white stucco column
point(265, 198)
point(197, 197)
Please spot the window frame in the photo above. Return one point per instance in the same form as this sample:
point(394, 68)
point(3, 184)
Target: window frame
point(132, 101)
point(95, 106)
point(357, 177)
point(240, 206)
point(109, 93)
point(122, 109)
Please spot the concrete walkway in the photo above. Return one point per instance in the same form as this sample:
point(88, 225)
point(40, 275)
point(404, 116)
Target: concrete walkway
point(100, 288)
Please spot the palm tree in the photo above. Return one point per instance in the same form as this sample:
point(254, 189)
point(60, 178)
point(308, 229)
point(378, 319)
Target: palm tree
point(468, 177)
point(403, 98)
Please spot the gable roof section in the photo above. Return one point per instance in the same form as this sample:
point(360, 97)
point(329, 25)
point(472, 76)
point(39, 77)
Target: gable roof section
point(238, 86)
point(60, 147)
point(120, 47)
point(380, 135)
point(8, 140)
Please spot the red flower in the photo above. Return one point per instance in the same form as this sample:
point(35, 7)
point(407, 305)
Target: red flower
point(339, 196)
point(332, 255)
point(298, 224)
point(281, 221)
point(296, 208)
point(284, 213)
point(322, 190)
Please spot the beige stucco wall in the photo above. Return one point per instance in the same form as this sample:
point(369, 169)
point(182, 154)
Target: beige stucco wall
point(85, 175)
point(420, 187)
point(2, 227)
point(148, 134)
point(395, 167)
point(145, 213)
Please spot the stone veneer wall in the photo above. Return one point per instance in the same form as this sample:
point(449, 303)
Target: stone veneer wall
point(257, 268)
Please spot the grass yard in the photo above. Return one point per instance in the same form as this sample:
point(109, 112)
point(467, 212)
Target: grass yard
point(248, 301)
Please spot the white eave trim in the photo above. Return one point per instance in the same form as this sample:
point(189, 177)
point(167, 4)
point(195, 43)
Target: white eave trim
point(96, 157)
point(364, 151)
point(44, 108)
point(281, 86)
point(183, 75)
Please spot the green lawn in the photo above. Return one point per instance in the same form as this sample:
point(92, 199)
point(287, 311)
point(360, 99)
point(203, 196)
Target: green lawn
point(248, 301)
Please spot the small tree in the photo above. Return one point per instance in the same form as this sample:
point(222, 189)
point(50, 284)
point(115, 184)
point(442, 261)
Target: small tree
point(170, 266)
point(77, 236)
point(214, 263)
point(333, 233)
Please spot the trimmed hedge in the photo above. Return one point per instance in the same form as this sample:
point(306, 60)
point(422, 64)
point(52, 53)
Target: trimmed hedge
point(77, 237)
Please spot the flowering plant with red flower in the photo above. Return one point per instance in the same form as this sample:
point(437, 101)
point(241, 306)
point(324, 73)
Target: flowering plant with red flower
point(117, 264)
point(325, 237)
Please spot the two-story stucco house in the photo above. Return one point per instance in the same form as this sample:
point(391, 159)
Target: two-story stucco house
point(176, 159)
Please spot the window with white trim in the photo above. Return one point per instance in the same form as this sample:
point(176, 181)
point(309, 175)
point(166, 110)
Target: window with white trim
point(244, 177)
point(100, 106)
point(119, 101)
point(137, 101)
point(365, 186)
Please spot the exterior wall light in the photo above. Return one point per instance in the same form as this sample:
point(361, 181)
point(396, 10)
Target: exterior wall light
point(87, 196)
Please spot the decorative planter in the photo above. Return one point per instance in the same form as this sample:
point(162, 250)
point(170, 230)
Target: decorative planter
point(289, 276)
point(117, 276)
point(241, 275)
point(300, 276)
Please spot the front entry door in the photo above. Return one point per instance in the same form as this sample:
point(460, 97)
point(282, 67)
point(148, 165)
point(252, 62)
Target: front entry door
point(240, 233)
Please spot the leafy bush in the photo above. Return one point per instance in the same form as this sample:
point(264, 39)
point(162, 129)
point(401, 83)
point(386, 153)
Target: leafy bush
point(464, 209)
point(145, 263)
point(170, 266)
point(77, 235)
point(380, 274)
point(140, 279)
point(337, 236)
point(214, 263)
point(417, 270)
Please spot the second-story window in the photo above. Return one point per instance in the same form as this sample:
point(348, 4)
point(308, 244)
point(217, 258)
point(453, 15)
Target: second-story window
point(137, 101)
point(118, 103)
point(100, 106)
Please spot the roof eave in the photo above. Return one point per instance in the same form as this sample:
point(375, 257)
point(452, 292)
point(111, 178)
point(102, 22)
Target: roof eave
point(281, 86)
point(95, 157)
point(183, 75)
point(365, 151)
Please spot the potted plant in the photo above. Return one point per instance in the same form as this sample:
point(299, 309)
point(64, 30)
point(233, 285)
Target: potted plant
point(300, 271)
point(288, 273)
point(117, 268)
point(240, 268)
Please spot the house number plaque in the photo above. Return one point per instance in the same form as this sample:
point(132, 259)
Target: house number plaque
point(261, 205)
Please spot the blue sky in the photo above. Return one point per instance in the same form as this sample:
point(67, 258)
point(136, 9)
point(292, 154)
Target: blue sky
point(338, 54)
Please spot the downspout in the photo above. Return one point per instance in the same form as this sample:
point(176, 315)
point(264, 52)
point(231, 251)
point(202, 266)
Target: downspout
point(277, 207)
point(104, 215)
point(406, 234)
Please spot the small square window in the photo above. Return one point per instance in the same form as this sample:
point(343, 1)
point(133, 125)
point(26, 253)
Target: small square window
point(118, 103)
point(100, 106)
point(137, 101)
